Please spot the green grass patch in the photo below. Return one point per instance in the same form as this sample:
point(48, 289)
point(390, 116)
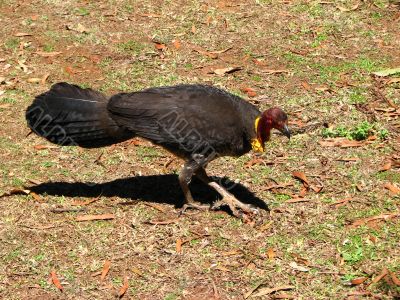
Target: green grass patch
point(359, 132)
point(11, 43)
point(82, 11)
point(131, 47)
point(389, 175)
point(354, 250)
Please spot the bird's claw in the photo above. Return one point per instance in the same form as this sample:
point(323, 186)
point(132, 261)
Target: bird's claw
point(193, 206)
point(237, 207)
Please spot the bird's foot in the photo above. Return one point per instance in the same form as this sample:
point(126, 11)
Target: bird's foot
point(237, 207)
point(192, 205)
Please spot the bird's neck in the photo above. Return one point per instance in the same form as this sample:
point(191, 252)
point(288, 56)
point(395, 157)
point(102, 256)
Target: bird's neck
point(262, 129)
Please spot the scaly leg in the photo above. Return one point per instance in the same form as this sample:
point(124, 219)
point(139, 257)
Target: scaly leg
point(227, 198)
point(185, 176)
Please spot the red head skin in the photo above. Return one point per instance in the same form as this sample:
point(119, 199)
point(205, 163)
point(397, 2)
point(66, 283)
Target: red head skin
point(274, 117)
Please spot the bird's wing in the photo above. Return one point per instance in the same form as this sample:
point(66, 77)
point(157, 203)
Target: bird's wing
point(184, 115)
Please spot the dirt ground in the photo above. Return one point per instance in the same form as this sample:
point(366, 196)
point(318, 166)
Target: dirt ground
point(331, 195)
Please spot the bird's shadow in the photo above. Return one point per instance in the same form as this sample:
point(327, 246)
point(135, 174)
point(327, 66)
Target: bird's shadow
point(153, 188)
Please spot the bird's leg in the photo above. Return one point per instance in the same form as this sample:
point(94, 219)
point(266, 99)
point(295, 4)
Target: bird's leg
point(185, 176)
point(227, 198)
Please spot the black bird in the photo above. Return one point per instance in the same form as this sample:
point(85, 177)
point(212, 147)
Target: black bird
point(195, 122)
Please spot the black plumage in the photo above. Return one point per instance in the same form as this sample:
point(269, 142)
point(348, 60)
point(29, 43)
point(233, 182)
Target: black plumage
point(195, 122)
point(184, 117)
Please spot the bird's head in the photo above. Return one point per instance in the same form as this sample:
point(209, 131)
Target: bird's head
point(274, 117)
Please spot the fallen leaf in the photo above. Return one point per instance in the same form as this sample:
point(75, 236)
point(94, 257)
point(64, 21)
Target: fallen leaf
point(267, 291)
point(350, 143)
point(106, 268)
point(350, 159)
point(193, 29)
point(124, 287)
point(160, 46)
point(94, 217)
point(44, 78)
point(155, 206)
point(271, 254)
point(208, 20)
point(21, 34)
point(179, 245)
point(273, 71)
point(372, 238)
point(33, 80)
point(387, 72)
point(341, 142)
point(205, 52)
point(47, 54)
point(392, 188)
point(300, 259)
point(359, 280)
point(15, 192)
point(137, 272)
point(84, 203)
point(306, 86)
point(248, 294)
point(60, 210)
point(56, 281)
point(393, 80)
point(35, 196)
point(34, 181)
point(227, 70)
point(366, 221)
point(323, 88)
point(341, 202)
point(386, 166)
point(265, 226)
point(6, 105)
point(358, 293)
point(297, 267)
point(284, 296)
point(379, 95)
point(303, 191)
point(136, 142)
point(300, 175)
point(176, 44)
point(394, 278)
point(254, 161)
point(42, 147)
point(94, 58)
point(221, 51)
point(230, 253)
point(259, 62)
point(69, 70)
point(378, 278)
point(297, 200)
point(78, 28)
point(249, 91)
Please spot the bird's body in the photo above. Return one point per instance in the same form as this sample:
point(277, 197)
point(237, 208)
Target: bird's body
point(195, 122)
point(188, 119)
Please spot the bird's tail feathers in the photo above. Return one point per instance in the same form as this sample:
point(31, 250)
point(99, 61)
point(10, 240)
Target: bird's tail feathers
point(70, 115)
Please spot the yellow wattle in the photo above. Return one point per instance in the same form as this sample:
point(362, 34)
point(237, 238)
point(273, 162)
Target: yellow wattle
point(256, 144)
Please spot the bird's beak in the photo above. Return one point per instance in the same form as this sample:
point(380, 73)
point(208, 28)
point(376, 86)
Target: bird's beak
point(286, 131)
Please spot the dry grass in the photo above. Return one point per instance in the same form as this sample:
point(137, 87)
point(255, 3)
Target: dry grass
point(328, 49)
